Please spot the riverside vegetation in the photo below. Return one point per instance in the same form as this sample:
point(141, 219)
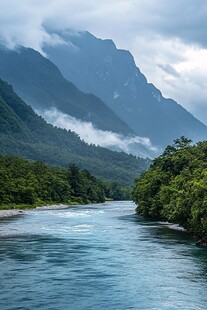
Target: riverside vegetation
point(25, 184)
point(174, 189)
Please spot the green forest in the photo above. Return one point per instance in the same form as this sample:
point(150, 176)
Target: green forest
point(174, 189)
point(24, 184)
point(25, 134)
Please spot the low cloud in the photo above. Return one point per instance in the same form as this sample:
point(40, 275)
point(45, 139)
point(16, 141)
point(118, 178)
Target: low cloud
point(169, 70)
point(22, 21)
point(155, 31)
point(189, 86)
point(140, 146)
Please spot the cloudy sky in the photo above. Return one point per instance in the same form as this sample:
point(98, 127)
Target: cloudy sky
point(167, 38)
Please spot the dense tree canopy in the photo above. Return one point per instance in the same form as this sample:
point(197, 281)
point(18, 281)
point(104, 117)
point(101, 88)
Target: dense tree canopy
point(175, 187)
point(23, 182)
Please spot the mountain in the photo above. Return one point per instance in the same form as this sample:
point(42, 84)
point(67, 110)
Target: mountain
point(39, 83)
point(97, 66)
point(25, 134)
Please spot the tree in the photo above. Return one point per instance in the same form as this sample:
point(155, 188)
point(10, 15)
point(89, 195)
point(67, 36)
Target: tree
point(175, 187)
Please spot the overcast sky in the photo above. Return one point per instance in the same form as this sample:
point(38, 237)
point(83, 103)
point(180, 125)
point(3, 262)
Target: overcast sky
point(168, 39)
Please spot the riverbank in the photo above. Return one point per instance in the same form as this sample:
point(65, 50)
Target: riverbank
point(173, 226)
point(15, 212)
point(10, 213)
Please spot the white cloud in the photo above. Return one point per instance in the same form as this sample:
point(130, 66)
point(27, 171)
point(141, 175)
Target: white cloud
point(187, 84)
point(140, 146)
point(169, 70)
point(157, 32)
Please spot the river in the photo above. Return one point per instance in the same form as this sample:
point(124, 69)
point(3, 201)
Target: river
point(98, 257)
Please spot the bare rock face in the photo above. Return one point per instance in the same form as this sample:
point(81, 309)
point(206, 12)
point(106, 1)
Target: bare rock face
point(97, 66)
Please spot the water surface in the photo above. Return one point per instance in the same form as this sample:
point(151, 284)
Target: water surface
point(98, 257)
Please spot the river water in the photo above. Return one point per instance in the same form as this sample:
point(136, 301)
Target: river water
point(98, 257)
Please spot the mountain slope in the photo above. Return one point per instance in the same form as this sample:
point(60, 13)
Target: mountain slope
point(37, 81)
point(23, 133)
point(97, 66)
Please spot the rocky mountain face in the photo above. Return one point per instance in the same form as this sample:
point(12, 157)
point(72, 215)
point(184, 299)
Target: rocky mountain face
point(39, 83)
point(97, 66)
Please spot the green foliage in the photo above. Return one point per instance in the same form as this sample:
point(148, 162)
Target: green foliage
point(25, 134)
point(175, 187)
point(23, 182)
point(85, 186)
point(116, 191)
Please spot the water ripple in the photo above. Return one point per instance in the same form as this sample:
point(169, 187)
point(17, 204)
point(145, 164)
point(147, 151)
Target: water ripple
point(98, 257)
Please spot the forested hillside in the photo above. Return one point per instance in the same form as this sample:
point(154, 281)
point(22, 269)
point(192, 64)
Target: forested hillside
point(25, 134)
point(175, 187)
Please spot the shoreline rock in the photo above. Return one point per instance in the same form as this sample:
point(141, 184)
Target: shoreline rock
point(15, 212)
point(10, 213)
point(201, 243)
point(173, 226)
point(53, 207)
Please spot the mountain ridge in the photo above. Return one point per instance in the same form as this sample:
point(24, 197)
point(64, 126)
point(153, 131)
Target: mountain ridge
point(25, 134)
point(39, 82)
point(97, 66)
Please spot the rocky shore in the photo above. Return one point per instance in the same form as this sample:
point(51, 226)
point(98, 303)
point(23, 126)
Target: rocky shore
point(53, 207)
point(15, 212)
point(9, 213)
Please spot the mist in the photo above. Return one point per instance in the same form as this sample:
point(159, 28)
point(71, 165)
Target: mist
point(140, 146)
point(170, 50)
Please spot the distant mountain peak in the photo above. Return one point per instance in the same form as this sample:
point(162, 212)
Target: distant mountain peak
point(39, 82)
point(91, 80)
point(111, 74)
